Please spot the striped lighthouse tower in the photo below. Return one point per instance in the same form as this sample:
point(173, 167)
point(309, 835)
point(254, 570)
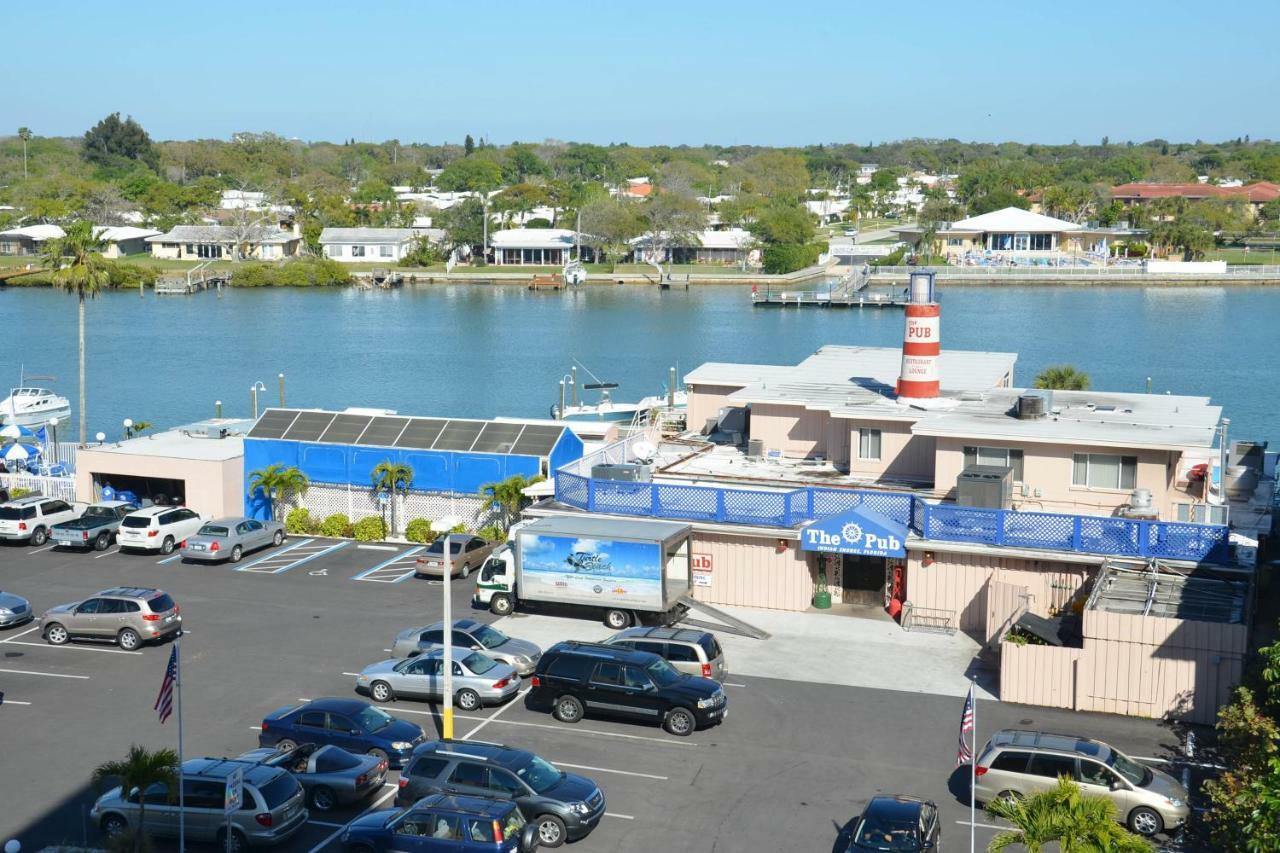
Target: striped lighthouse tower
point(921, 343)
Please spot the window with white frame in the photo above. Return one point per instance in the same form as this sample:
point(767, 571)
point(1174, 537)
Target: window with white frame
point(384, 251)
point(357, 251)
point(868, 443)
point(1001, 456)
point(335, 251)
point(955, 241)
point(1104, 471)
point(1041, 242)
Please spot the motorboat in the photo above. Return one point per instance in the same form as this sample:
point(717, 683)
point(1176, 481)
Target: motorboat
point(33, 407)
point(608, 409)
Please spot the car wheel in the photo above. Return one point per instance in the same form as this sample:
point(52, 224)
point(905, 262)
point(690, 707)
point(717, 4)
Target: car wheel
point(381, 691)
point(236, 844)
point(278, 538)
point(380, 754)
point(56, 635)
point(466, 570)
point(1009, 797)
point(568, 709)
point(550, 831)
point(166, 547)
point(1145, 822)
point(128, 639)
point(323, 799)
point(236, 553)
point(617, 619)
point(39, 537)
point(102, 541)
point(680, 723)
point(467, 700)
point(284, 744)
point(501, 604)
point(113, 825)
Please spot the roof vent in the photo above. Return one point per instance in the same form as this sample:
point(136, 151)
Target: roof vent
point(1033, 405)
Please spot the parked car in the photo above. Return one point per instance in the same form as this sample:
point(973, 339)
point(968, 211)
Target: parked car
point(694, 652)
point(573, 678)
point(95, 528)
point(443, 824)
point(231, 538)
point(330, 775)
point(30, 519)
point(1020, 763)
point(897, 824)
point(352, 724)
point(128, 615)
point(477, 678)
point(158, 528)
point(562, 806)
point(273, 807)
point(470, 634)
point(14, 610)
point(465, 552)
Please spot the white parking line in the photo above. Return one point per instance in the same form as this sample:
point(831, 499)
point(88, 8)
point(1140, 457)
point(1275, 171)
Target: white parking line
point(23, 634)
point(377, 548)
point(519, 695)
point(255, 728)
point(79, 648)
point(620, 816)
point(733, 684)
point(607, 770)
point(168, 559)
point(45, 674)
point(983, 825)
point(565, 729)
point(107, 554)
point(45, 548)
point(326, 823)
point(372, 806)
point(274, 555)
point(1200, 764)
point(391, 570)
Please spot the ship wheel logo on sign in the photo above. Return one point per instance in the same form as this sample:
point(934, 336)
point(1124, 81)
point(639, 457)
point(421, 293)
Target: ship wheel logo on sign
point(852, 533)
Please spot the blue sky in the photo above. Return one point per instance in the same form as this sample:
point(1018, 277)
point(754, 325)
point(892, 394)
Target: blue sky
point(658, 72)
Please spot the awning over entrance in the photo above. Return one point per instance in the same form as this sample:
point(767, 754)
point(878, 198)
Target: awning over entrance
point(858, 531)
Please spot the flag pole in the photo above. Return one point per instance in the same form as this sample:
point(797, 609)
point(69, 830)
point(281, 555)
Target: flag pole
point(182, 811)
point(973, 766)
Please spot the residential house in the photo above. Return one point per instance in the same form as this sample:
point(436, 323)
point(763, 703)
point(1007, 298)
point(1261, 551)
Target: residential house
point(1016, 236)
point(124, 240)
point(1254, 195)
point(28, 240)
point(120, 240)
point(367, 245)
point(210, 242)
point(727, 246)
point(534, 246)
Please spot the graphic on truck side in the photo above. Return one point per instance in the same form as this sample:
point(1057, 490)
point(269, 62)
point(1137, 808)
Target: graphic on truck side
point(591, 571)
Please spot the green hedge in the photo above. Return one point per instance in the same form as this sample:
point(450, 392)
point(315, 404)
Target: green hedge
point(300, 521)
point(295, 272)
point(892, 259)
point(370, 529)
point(336, 525)
point(418, 530)
point(789, 257)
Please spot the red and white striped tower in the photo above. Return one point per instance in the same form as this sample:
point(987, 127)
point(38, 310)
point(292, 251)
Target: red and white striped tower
point(922, 341)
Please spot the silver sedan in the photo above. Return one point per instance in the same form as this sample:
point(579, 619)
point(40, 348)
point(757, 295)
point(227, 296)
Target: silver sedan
point(14, 610)
point(231, 538)
point(477, 679)
point(330, 775)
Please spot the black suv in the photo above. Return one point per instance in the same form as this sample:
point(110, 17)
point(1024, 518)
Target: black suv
point(562, 806)
point(573, 678)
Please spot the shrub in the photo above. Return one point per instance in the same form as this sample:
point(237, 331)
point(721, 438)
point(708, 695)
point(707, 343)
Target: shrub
point(18, 492)
point(295, 272)
point(538, 222)
point(493, 532)
point(299, 521)
point(789, 257)
point(370, 529)
point(423, 253)
point(892, 259)
point(418, 530)
point(336, 525)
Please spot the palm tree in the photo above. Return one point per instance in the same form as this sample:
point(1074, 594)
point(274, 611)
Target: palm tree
point(1078, 822)
point(1063, 377)
point(507, 498)
point(142, 769)
point(392, 477)
point(276, 481)
point(24, 133)
point(78, 266)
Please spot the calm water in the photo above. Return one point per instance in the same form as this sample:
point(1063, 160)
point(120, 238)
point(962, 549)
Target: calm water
point(481, 351)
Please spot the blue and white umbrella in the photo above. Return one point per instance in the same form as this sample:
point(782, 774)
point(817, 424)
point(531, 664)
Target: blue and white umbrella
point(16, 452)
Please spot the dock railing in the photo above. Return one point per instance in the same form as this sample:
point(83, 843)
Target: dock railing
point(1240, 272)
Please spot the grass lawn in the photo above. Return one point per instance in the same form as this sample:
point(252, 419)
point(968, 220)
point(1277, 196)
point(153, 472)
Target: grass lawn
point(1240, 256)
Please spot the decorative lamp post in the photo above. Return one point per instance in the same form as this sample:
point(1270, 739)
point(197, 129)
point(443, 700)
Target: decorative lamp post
point(128, 428)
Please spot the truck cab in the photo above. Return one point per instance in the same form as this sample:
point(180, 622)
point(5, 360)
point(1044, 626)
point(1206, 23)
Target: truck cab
point(496, 585)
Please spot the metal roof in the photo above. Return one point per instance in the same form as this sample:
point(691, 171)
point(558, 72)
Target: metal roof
point(221, 234)
point(365, 235)
point(409, 433)
point(1167, 594)
point(595, 527)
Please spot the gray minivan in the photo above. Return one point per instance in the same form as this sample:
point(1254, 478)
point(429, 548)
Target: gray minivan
point(694, 652)
point(273, 805)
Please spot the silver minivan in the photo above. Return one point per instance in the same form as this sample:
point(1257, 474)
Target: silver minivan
point(694, 652)
point(273, 806)
point(1018, 764)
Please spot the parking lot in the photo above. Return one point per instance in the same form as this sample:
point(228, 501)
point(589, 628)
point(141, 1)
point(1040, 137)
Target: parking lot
point(794, 761)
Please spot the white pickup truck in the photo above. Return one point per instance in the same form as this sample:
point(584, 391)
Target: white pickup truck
point(30, 518)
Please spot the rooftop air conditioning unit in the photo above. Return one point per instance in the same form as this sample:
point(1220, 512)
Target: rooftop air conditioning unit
point(989, 486)
point(755, 448)
point(628, 471)
point(213, 431)
point(1033, 405)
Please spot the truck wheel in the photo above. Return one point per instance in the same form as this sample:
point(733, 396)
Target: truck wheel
point(568, 709)
point(102, 541)
point(501, 604)
point(617, 619)
point(466, 570)
point(38, 537)
point(680, 722)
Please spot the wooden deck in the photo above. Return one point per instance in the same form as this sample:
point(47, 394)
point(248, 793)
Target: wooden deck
point(816, 299)
point(546, 282)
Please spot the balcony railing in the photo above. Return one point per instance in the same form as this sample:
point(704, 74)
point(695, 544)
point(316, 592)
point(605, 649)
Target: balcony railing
point(1086, 534)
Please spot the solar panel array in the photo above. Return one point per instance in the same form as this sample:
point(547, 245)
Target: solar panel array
point(408, 433)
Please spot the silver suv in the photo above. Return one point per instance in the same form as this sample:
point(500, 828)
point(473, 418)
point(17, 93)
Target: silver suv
point(694, 652)
point(272, 809)
point(1018, 764)
point(128, 615)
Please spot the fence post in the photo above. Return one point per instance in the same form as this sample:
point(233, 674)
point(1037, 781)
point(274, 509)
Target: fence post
point(1001, 515)
point(654, 503)
point(808, 502)
point(591, 494)
point(720, 505)
point(1144, 535)
point(1077, 535)
point(926, 517)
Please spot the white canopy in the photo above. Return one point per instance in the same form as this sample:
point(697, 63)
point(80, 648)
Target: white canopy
point(1013, 219)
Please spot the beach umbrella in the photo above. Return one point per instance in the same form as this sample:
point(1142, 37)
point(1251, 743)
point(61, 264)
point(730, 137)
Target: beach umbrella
point(16, 452)
point(11, 431)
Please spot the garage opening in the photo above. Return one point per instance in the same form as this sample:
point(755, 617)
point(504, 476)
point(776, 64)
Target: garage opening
point(862, 580)
point(157, 490)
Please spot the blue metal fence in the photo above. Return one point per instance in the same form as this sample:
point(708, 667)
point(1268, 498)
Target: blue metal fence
point(1087, 534)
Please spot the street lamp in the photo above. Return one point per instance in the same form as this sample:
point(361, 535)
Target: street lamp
point(101, 437)
point(128, 428)
point(53, 438)
point(12, 846)
point(254, 389)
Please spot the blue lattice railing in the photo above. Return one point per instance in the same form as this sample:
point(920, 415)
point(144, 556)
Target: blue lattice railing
point(1087, 534)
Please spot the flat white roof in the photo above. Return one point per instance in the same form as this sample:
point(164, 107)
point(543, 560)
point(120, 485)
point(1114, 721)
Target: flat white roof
point(188, 442)
point(116, 233)
point(532, 238)
point(35, 232)
point(1013, 219)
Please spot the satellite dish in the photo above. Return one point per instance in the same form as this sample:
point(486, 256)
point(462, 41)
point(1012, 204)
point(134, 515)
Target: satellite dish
point(643, 450)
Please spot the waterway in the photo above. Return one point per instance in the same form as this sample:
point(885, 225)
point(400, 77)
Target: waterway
point(482, 350)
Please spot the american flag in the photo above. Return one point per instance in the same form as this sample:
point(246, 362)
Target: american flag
point(164, 702)
point(964, 755)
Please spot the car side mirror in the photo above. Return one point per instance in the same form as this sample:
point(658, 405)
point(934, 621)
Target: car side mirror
point(415, 653)
point(926, 845)
point(476, 648)
point(1117, 785)
point(529, 838)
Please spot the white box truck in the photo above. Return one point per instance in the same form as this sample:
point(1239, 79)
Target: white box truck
point(623, 570)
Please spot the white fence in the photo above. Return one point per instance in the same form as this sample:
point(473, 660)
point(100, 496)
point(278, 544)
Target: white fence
point(1239, 272)
point(53, 487)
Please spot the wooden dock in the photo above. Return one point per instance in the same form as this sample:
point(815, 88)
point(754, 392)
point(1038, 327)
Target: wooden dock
point(187, 285)
point(820, 299)
point(546, 282)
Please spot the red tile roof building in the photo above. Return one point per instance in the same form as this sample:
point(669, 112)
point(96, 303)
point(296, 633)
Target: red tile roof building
point(1257, 193)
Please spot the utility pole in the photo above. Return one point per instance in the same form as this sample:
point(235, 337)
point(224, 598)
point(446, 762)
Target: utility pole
point(447, 706)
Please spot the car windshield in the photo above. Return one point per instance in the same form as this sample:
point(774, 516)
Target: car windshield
point(662, 673)
point(1128, 768)
point(490, 638)
point(882, 833)
point(100, 512)
point(478, 663)
point(540, 775)
point(136, 521)
point(213, 530)
point(371, 719)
